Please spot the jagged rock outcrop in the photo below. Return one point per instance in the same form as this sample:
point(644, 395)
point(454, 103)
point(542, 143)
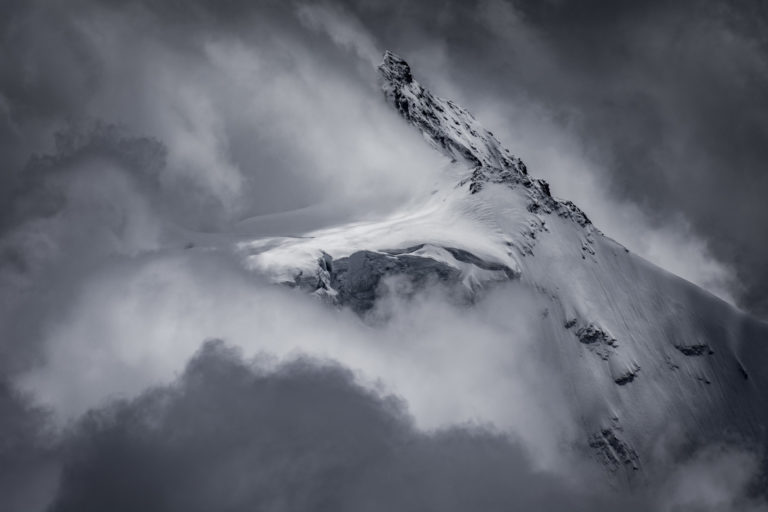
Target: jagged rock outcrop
point(613, 451)
point(355, 280)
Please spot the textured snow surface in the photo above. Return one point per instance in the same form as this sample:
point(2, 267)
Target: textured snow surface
point(646, 355)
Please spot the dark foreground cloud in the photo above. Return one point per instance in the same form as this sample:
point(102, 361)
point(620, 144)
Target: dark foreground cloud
point(28, 458)
point(243, 435)
point(233, 436)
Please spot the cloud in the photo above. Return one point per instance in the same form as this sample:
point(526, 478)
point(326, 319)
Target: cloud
point(300, 436)
point(716, 478)
point(303, 434)
point(192, 127)
point(342, 28)
point(28, 465)
point(255, 120)
point(476, 359)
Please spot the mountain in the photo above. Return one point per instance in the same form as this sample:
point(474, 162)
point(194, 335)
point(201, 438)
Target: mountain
point(645, 355)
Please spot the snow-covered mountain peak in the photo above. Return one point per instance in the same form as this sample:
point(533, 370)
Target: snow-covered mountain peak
point(643, 352)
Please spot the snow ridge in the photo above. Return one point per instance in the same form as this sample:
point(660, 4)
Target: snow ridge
point(456, 133)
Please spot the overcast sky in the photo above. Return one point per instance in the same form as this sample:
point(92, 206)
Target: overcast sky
point(129, 128)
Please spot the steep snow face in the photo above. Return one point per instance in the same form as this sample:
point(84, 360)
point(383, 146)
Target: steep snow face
point(651, 364)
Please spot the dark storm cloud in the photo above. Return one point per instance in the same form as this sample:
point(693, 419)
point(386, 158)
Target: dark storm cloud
point(233, 436)
point(236, 435)
point(303, 435)
point(28, 466)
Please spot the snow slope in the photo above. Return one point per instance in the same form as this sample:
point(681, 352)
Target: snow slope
point(647, 357)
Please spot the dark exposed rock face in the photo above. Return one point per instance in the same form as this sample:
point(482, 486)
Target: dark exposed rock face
point(395, 69)
point(613, 451)
point(355, 280)
point(597, 340)
point(592, 334)
point(695, 350)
